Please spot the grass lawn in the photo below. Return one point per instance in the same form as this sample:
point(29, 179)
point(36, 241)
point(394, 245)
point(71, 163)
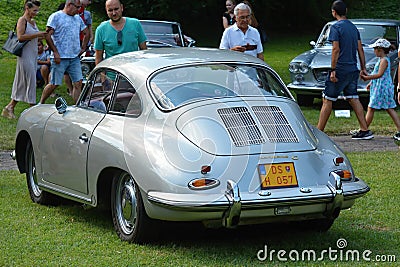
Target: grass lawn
point(68, 235)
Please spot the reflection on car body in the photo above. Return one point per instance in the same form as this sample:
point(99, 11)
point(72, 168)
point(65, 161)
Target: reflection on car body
point(309, 70)
point(177, 134)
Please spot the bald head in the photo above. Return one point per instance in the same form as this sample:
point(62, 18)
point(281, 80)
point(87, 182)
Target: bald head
point(114, 10)
point(114, 1)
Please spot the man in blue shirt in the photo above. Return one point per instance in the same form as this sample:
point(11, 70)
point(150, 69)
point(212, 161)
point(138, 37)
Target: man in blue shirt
point(64, 28)
point(119, 34)
point(344, 73)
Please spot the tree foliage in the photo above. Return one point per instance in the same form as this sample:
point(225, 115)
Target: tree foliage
point(205, 16)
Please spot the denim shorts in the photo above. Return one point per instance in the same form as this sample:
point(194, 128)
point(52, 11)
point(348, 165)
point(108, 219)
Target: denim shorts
point(72, 66)
point(347, 83)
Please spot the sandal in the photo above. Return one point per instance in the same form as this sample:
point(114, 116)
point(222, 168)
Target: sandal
point(8, 113)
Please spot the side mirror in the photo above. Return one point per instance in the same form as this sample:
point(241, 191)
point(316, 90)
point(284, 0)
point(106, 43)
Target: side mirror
point(312, 43)
point(61, 105)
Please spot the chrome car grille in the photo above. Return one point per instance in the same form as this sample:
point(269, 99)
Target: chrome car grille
point(275, 124)
point(244, 131)
point(241, 126)
point(321, 75)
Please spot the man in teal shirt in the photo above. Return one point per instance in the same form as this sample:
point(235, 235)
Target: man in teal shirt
point(119, 34)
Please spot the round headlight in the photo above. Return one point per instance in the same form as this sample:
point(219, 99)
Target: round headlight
point(294, 67)
point(303, 68)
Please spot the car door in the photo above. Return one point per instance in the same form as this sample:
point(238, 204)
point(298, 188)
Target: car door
point(67, 136)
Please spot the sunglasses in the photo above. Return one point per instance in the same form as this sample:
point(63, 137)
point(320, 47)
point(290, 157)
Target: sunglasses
point(119, 38)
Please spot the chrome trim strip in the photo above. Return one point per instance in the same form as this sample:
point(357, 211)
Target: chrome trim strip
point(245, 205)
point(356, 193)
point(66, 194)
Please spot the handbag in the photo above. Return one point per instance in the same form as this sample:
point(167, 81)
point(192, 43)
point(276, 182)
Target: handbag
point(12, 44)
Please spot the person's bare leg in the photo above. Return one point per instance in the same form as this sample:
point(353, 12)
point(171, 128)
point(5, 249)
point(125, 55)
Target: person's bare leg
point(47, 91)
point(359, 111)
point(76, 91)
point(44, 70)
point(68, 83)
point(369, 116)
point(395, 117)
point(324, 114)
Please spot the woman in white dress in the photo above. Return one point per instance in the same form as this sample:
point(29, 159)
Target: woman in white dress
point(24, 86)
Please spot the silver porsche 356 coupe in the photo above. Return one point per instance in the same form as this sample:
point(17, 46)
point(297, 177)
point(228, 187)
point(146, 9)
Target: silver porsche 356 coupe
point(185, 134)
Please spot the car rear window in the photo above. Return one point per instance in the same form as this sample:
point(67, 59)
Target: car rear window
point(175, 87)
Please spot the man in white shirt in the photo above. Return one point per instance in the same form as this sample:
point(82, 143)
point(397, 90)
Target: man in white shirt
point(241, 36)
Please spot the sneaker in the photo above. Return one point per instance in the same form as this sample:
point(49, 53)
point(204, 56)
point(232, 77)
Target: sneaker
point(353, 132)
point(396, 136)
point(363, 135)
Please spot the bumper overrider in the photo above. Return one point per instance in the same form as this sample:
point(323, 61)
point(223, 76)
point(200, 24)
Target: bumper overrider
point(233, 208)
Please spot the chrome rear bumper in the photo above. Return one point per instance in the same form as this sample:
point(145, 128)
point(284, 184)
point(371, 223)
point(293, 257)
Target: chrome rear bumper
point(233, 207)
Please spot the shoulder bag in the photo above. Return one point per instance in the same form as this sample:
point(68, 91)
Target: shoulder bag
point(12, 44)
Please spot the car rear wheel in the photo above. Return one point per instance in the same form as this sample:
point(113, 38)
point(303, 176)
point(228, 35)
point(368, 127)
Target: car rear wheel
point(36, 194)
point(128, 214)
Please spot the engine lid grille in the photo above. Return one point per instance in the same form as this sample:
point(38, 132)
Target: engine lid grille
point(241, 126)
point(244, 130)
point(275, 124)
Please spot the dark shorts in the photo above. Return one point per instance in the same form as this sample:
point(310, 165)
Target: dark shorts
point(346, 84)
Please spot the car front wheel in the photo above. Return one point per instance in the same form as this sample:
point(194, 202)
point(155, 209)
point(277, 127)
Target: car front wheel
point(128, 214)
point(36, 194)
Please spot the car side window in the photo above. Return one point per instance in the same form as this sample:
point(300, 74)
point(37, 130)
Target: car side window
point(126, 100)
point(98, 91)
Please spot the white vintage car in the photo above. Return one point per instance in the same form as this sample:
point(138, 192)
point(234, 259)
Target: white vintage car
point(185, 134)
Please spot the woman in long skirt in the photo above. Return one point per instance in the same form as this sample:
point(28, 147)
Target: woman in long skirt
point(24, 86)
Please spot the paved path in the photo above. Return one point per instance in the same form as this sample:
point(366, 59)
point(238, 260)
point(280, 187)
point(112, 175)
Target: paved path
point(379, 143)
point(6, 162)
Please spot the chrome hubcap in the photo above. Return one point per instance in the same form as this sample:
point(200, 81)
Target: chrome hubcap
point(32, 176)
point(126, 204)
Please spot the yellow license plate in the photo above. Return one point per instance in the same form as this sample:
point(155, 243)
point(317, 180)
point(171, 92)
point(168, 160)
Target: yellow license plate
point(277, 175)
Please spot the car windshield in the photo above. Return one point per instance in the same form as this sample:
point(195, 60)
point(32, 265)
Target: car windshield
point(162, 33)
point(368, 33)
point(175, 87)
